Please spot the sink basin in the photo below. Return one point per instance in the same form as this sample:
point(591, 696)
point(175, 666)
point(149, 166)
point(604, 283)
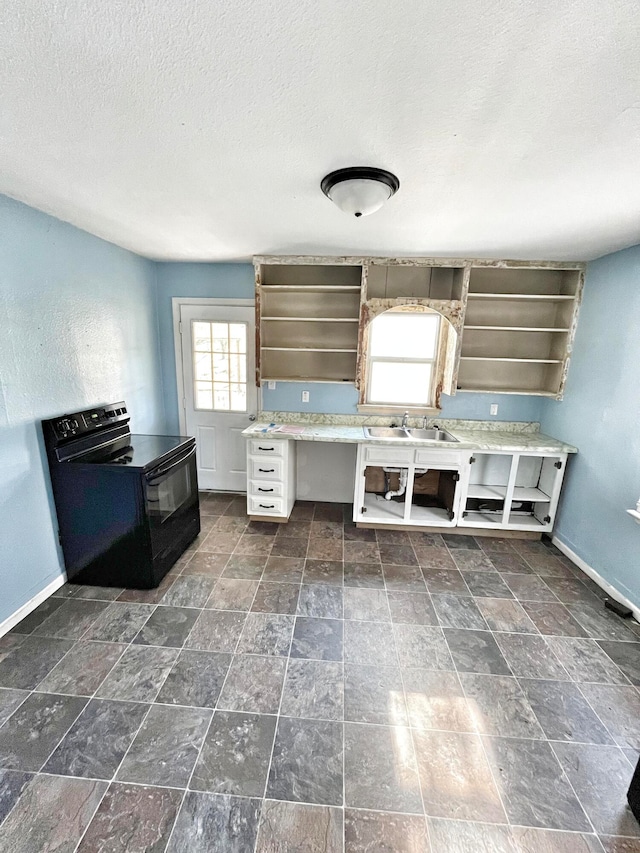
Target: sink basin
point(385, 432)
point(431, 434)
point(414, 434)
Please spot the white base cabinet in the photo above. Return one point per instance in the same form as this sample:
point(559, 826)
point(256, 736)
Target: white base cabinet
point(433, 487)
point(271, 478)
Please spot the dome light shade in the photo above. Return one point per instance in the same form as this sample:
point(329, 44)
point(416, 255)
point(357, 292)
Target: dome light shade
point(359, 190)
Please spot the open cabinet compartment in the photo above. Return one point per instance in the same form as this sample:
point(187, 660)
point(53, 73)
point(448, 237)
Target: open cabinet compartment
point(429, 496)
point(534, 490)
point(433, 500)
point(487, 489)
point(398, 281)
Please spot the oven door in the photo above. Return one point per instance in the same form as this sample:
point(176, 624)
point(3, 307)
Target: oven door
point(171, 503)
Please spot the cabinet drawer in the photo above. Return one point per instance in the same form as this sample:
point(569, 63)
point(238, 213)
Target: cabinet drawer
point(261, 468)
point(266, 488)
point(435, 456)
point(265, 506)
point(388, 455)
point(262, 447)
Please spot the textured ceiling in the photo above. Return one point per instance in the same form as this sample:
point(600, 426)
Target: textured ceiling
point(200, 130)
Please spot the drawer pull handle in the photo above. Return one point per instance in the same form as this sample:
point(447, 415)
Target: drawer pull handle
point(264, 490)
point(265, 448)
point(264, 506)
point(266, 470)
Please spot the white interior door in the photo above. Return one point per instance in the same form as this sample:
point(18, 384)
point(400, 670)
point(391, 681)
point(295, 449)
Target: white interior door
point(220, 394)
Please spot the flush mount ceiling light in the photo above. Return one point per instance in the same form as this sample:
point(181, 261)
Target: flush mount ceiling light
point(359, 190)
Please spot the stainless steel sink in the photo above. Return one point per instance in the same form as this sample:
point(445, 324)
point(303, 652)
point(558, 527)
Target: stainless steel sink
point(431, 434)
point(413, 434)
point(385, 432)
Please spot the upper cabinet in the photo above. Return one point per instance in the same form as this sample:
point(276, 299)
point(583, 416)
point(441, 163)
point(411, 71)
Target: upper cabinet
point(514, 321)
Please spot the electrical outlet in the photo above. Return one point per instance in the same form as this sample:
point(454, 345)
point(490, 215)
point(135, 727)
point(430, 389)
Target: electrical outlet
point(305, 396)
point(494, 409)
point(271, 385)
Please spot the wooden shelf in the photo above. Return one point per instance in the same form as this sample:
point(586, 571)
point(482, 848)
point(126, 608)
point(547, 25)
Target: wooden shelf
point(314, 288)
point(520, 391)
point(492, 493)
point(514, 360)
point(520, 493)
point(523, 297)
point(307, 379)
point(380, 510)
point(515, 329)
point(312, 319)
point(483, 519)
point(430, 514)
point(307, 349)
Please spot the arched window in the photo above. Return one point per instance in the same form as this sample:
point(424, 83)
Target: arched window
point(405, 358)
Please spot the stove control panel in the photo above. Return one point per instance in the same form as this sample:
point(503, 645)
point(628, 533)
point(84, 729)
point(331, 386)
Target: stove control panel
point(90, 420)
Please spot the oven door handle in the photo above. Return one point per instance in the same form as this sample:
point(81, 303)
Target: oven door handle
point(158, 473)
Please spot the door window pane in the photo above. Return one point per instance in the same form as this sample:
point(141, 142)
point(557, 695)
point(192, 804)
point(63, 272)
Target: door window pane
point(220, 366)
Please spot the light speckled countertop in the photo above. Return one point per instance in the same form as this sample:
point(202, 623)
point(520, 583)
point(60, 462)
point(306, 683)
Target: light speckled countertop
point(467, 432)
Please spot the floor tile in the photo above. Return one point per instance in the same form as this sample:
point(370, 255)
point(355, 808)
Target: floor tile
point(216, 631)
point(360, 552)
point(318, 639)
point(326, 530)
point(220, 541)
point(165, 749)
point(9, 701)
point(495, 545)
point(421, 646)
point(473, 795)
point(188, 591)
point(51, 815)
point(284, 569)
point(254, 684)
point(206, 563)
point(584, 660)
point(434, 557)
point(599, 623)
point(119, 623)
point(294, 530)
point(553, 619)
point(245, 567)
point(132, 819)
point(98, 593)
point(564, 713)
point(96, 743)
point(139, 674)
point(303, 511)
point(374, 694)
point(32, 732)
point(37, 616)
point(363, 574)
point(358, 534)
point(403, 578)
point(323, 571)
point(167, 626)
point(326, 549)
point(369, 643)
point(392, 537)
point(626, 656)
point(488, 585)
point(307, 762)
point(457, 541)
point(472, 561)
point(534, 790)
point(368, 831)
point(259, 546)
point(320, 601)
point(196, 679)
point(266, 634)
point(529, 587)
point(12, 784)
point(293, 828)
point(530, 840)
point(232, 594)
point(572, 591)
point(208, 823)
point(511, 563)
point(505, 615)
point(25, 665)
point(459, 836)
point(71, 620)
point(617, 844)
point(273, 597)
point(399, 555)
point(600, 777)
point(380, 769)
point(83, 669)
point(530, 656)
point(414, 608)
point(619, 709)
point(435, 700)
point(149, 596)
point(328, 512)
point(475, 651)
point(458, 611)
point(499, 706)
point(291, 548)
point(369, 605)
point(445, 580)
point(313, 689)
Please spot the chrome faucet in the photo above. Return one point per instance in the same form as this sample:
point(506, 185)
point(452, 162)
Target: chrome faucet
point(405, 419)
point(425, 422)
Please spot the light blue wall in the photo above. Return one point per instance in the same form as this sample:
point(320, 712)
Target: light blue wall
point(231, 281)
point(78, 327)
point(600, 414)
point(331, 398)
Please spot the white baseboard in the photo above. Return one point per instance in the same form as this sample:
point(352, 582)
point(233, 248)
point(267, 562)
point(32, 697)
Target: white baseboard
point(602, 583)
point(11, 621)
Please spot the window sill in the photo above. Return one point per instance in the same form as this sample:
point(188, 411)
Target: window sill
point(371, 409)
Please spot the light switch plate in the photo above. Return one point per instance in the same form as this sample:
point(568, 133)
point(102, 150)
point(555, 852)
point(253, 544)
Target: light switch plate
point(494, 409)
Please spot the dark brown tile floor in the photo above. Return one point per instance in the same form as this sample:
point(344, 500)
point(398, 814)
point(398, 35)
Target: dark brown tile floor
point(317, 688)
